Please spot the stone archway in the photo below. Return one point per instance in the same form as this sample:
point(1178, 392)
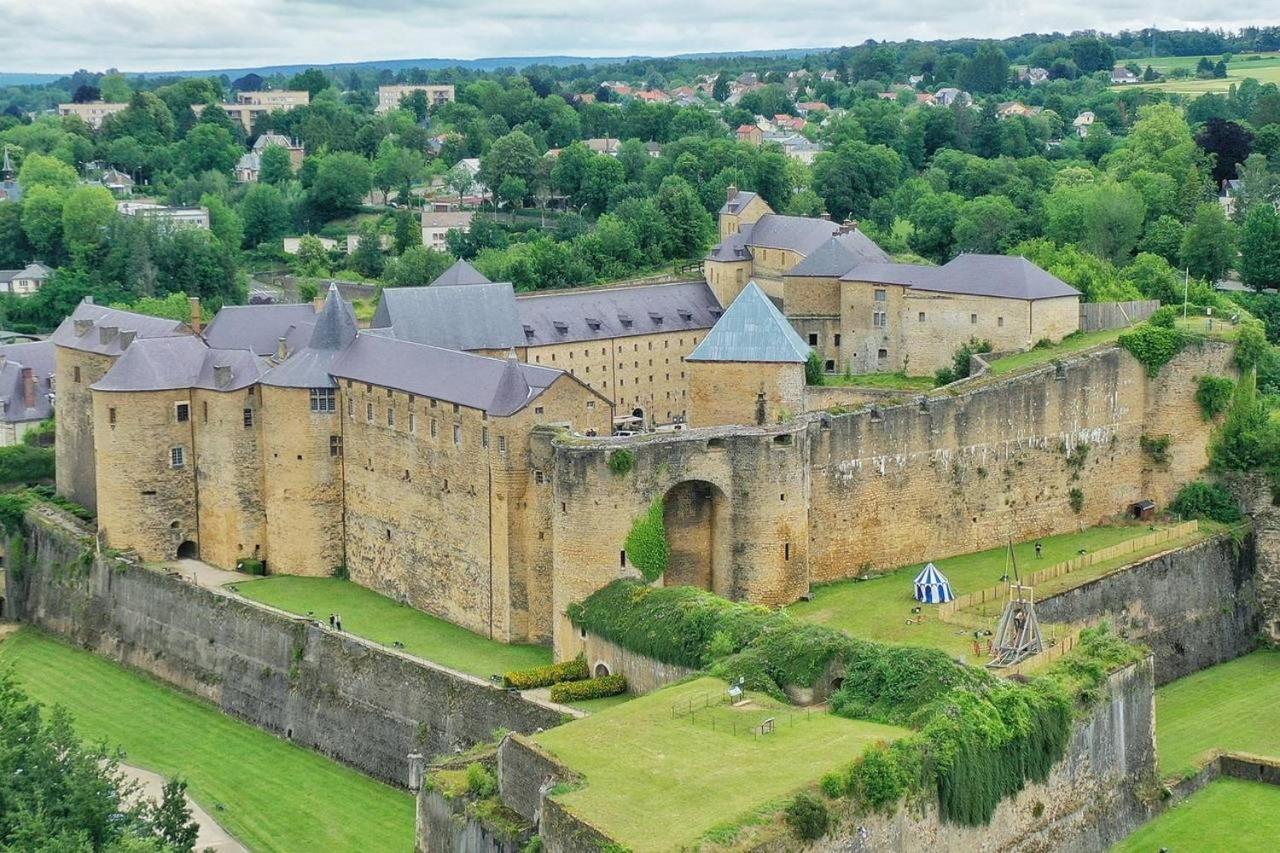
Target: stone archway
point(188, 550)
point(696, 518)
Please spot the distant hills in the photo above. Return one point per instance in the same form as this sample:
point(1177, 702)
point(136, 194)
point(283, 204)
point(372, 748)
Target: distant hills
point(429, 63)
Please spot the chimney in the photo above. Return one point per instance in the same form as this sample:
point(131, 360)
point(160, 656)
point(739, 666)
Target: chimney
point(83, 327)
point(197, 314)
point(222, 375)
point(107, 334)
point(126, 337)
point(731, 192)
point(88, 300)
point(826, 216)
point(29, 387)
point(282, 351)
point(849, 226)
point(318, 301)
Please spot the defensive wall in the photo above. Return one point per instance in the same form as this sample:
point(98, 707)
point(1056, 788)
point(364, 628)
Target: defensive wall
point(285, 674)
point(761, 513)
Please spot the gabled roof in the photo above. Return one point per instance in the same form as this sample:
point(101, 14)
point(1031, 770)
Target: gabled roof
point(167, 364)
point(96, 328)
point(480, 316)
point(597, 313)
point(256, 328)
point(1001, 276)
point(752, 330)
point(733, 247)
point(499, 386)
point(840, 254)
point(460, 273)
point(333, 330)
point(38, 356)
point(740, 199)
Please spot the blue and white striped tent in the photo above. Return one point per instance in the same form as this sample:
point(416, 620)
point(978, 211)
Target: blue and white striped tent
point(932, 586)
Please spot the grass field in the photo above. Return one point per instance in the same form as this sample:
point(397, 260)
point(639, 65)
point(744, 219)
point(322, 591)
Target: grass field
point(878, 609)
point(1042, 356)
point(654, 782)
point(1265, 69)
point(271, 795)
point(1229, 816)
point(1232, 706)
point(886, 381)
point(375, 617)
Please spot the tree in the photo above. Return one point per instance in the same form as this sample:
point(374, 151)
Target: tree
point(988, 224)
point(688, 224)
point(514, 155)
point(312, 258)
point(416, 102)
point(396, 167)
point(1208, 245)
point(1229, 143)
point(367, 258)
point(1259, 262)
point(1155, 278)
point(114, 89)
point(312, 80)
point(987, 72)
point(853, 175)
point(224, 222)
point(15, 250)
point(512, 191)
point(934, 217)
point(86, 94)
point(1163, 237)
point(603, 174)
point(207, 148)
point(341, 182)
point(86, 213)
point(720, 89)
point(42, 220)
point(408, 231)
point(1092, 54)
point(460, 180)
point(264, 214)
point(276, 165)
point(39, 170)
point(419, 265)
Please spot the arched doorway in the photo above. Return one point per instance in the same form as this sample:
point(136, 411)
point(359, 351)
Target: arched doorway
point(188, 550)
point(601, 670)
point(695, 515)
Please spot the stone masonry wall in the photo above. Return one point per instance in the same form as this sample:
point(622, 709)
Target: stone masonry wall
point(1194, 607)
point(74, 372)
point(284, 674)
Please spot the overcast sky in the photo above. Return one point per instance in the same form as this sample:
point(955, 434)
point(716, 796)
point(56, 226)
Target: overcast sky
point(59, 36)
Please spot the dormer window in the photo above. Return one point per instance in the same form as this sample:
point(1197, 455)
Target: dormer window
point(593, 324)
point(561, 326)
point(625, 320)
point(685, 315)
point(528, 330)
point(656, 318)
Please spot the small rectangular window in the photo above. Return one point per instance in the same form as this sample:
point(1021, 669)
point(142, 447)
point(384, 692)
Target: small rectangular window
point(837, 339)
point(111, 415)
point(391, 416)
point(973, 319)
point(324, 400)
point(537, 410)
point(881, 295)
point(455, 408)
point(813, 339)
point(457, 435)
point(183, 412)
point(434, 428)
point(248, 418)
point(591, 404)
point(335, 445)
point(75, 373)
point(351, 407)
point(368, 412)
point(538, 478)
point(484, 436)
point(502, 444)
point(884, 353)
point(177, 457)
point(921, 317)
point(413, 423)
point(1000, 322)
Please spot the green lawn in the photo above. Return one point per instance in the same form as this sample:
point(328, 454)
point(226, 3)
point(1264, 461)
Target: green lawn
point(888, 381)
point(268, 793)
point(367, 614)
point(1230, 815)
point(656, 782)
point(878, 609)
point(1232, 706)
point(1041, 356)
point(1265, 69)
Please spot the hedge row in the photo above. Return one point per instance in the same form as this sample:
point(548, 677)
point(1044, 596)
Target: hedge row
point(545, 676)
point(592, 688)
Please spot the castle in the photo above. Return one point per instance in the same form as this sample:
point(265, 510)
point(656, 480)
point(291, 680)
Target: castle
point(458, 456)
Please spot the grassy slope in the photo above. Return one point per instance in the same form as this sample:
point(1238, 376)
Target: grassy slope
point(1040, 357)
point(1228, 816)
point(268, 793)
point(1234, 706)
point(367, 614)
point(656, 782)
point(878, 609)
point(888, 381)
point(1264, 70)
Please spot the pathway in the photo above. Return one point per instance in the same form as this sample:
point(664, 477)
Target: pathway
point(212, 836)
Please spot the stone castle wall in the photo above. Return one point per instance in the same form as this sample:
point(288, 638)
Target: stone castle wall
point(74, 371)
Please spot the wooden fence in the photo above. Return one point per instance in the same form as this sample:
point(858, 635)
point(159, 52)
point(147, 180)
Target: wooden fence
point(1046, 657)
point(1075, 564)
point(1098, 316)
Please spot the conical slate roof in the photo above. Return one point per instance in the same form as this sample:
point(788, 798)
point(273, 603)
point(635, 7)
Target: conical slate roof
point(334, 330)
point(335, 324)
point(513, 389)
point(460, 273)
point(752, 329)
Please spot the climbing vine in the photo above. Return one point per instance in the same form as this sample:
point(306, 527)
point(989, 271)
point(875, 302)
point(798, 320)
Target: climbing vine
point(646, 544)
point(1213, 394)
point(621, 461)
point(1154, 346)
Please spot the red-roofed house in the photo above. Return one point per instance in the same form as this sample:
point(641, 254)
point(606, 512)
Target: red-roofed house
point(750, 133)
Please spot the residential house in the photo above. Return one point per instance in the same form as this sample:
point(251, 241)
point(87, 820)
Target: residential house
point(606, 145)
point(293, 244)
point(1083, 122)
point(26, 388)
point(26, 281)
point(436, 225)
point(1033, 76)
point(1121, 75)
point(192, 217)
point(1227, 195)
point(250, 165)
point(795, 146)
point(93, 113)
point(807, 107)
point(389, 97)
point(120, 184)
point(949, 95)
point(751, 133)
point(1009, 109)
point(653, 96)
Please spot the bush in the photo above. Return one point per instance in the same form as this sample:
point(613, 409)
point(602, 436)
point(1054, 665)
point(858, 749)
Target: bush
point(1164, 317)
point(480, 780)
point(1213, 393)
point(1206, 500)
point(807, 816)
point(959, 368)
point(878, 778)
point(1154, 346)
point(621, 461)
point(23, 463)
point(646, 544)
point(592, 688)
point(250, 566)
point(813, 372)
point(1249, 439)
point(1156, 447)
point(1251, 344)
point(41, 435)
point(1076, 499)
point(545, 676)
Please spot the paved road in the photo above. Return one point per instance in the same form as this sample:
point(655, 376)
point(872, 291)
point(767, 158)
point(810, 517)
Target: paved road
point(212, 836)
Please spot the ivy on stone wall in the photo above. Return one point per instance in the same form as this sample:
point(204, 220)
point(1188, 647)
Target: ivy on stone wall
point(1213, 394)
point(1154, 346)
point(621, 461)
point(646, 544)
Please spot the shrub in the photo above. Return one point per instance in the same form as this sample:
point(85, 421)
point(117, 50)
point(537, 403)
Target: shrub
point(878, 778)
point(646, 544)
point(1165, 317)
point(592, 688)
point(480, 780)
point(1251, 344)
point(1249, 439)
point(834, 784)
point(1154, 346)
point(621, 461)
point(959, 368)
point(251, 566)
point(1206, 500)
point(23, 463)
point(813, 373)
point(1156, 447)
point(545, 676)
point(1076, 499)
point(13, 505)
point(807, 816)
point(1213, 393)
point(41, 435)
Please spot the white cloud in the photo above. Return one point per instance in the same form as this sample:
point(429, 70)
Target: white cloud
point(154, 35)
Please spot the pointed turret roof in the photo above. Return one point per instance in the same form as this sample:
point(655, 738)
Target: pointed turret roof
point(460, 273)
point(513, 389)
point(335, 324)
point(333, 332)
point(752, 329)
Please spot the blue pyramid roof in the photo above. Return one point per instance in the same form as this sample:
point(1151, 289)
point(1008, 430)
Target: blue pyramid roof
point(752, 329)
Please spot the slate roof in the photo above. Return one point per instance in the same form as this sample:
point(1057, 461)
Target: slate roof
point(257, 328)
point(94, 339)
point(839, 254)
point(733, 247)
point(589, 315)
point(739, 201)
point(460, 273)
point(480, 316)
point(752, 330)
point(167, 364)
point(801, 234)
point(333, 330)
point(499, 386)
point(39, 356)
point(1000, 276)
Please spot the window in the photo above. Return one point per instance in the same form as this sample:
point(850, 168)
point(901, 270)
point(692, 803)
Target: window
point(884, 353)
point(484, 437)
point(879, 319)
point(182, 411)
point(1000, 321)
point(973, 318)
point(591, 404)
point(537, 410)
point(538, 477)
point(457, 435)
point(455, 408)
point(111, 415)
point(921, 317)
point(204, 411)
point(248, 418)
point(433, 402)
point(434, 428)
point(813, 340)
point(391, 416)
point(368, 412)
point(413, 423)
point(75, 372)
point(502, 444)
point(351, 407)
point(177, 457)
point(837, 339)
point(881, 295)
point(335, 445)
point(324, 400)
